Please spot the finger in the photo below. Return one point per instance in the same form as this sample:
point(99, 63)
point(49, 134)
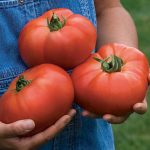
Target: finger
point(52, 131)
point(72, 113)
point(86, 113)
point(140, 108)
point(114, 119)
point(17, 128)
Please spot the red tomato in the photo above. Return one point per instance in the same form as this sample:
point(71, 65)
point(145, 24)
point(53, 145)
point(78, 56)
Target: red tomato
point(44, 93)
point(112, 80)
point(58, 37)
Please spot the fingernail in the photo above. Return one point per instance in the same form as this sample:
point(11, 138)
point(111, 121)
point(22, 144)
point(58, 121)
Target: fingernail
point(84, 113)
point(29, 125)
point(107, 118)
point(73, 112)
point(25, 131)
point(67, 120)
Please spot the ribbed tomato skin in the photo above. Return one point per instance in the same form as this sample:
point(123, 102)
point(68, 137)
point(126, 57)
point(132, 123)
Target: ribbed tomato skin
point(111, 93)
point(67, 47)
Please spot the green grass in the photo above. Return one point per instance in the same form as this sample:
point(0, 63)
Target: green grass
point(134, 134)
point(140, 12)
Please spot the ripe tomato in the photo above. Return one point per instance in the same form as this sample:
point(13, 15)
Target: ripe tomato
point(58, 37)
point(44, 93)
point(112, 80)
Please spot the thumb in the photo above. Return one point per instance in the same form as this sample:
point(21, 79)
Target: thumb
point(16, 128)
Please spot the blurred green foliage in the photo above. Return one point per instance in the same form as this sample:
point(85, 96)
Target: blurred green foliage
point(134, 134)
point(140, 12)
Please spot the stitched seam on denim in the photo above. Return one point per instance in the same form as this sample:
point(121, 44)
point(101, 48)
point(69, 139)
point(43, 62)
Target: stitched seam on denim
point(73, 130)
point(3, 4)
point(5, 85)
point(85, 8)
point(36, 7)
point(10, 72)
point(88, 10)
point(6, 77)
point(14, 3)
point(93, 11)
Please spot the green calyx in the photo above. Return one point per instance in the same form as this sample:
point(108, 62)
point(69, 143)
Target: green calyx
point(111, 64)
point(55, 24)
point(21, 83)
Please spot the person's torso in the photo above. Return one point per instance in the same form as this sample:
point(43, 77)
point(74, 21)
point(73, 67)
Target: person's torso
point(81, 133)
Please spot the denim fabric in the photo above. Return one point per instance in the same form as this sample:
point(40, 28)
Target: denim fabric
point(82, 133)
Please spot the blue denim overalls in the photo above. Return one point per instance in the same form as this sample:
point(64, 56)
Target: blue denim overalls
point(82, 133)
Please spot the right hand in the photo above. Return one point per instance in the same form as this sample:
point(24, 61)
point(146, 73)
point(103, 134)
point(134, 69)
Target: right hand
point(9, 133)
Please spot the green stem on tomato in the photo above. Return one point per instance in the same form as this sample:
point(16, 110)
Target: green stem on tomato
point(111, 63)
point(55, 24)
point(21, 83)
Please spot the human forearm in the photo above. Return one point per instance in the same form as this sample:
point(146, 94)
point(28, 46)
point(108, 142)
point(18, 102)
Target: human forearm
point(115, 25)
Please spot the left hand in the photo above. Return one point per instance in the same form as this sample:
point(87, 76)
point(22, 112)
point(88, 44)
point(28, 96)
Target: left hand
point(139, 108)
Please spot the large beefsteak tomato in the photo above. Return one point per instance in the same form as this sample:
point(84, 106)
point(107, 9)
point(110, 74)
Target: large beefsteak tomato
point(58, 37)
point(43, 93)
point(112, 80)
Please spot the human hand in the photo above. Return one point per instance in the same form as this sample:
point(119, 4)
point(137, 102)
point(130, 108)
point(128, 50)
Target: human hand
point(139, 108)
point(9, 133)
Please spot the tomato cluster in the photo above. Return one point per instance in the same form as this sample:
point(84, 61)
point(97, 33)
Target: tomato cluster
point(57, 40)
point(110, 81)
